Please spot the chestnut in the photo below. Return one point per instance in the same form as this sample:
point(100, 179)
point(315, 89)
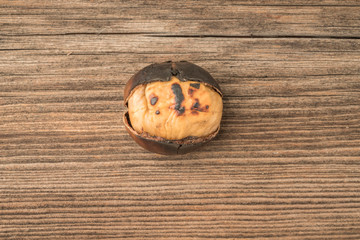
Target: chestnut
point(173, 107)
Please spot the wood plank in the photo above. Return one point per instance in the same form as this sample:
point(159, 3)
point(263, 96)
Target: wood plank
point(272, 110)
point(206, 200)
point(238, 18)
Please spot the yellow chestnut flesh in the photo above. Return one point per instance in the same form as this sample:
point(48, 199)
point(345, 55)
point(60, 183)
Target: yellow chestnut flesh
point(175, 110)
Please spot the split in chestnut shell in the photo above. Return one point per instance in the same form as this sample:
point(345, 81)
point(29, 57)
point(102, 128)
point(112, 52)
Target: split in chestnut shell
point(173, 107)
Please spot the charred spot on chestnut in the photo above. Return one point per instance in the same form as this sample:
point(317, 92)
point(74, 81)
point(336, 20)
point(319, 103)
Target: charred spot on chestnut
point(196, 105)
point(195, 85)
point(188, 98)
point(153, 100)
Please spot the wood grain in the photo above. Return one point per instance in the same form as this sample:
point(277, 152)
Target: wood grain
point(285, 165)
point(174, 18)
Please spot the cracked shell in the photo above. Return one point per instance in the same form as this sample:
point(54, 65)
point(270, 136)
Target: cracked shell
point(164, 72)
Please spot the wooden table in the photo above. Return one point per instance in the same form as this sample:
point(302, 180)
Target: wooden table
point(286, 164)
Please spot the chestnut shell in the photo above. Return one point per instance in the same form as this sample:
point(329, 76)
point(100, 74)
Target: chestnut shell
point(184, 71)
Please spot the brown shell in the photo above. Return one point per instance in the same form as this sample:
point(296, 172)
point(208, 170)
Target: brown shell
point(184, 71)
point(163, 146)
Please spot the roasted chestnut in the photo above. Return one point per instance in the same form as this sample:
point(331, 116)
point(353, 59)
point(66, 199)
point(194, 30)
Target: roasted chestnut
point(173, 107)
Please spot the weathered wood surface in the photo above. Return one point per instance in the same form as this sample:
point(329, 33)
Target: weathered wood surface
point(286, 164)
point(231, 18)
